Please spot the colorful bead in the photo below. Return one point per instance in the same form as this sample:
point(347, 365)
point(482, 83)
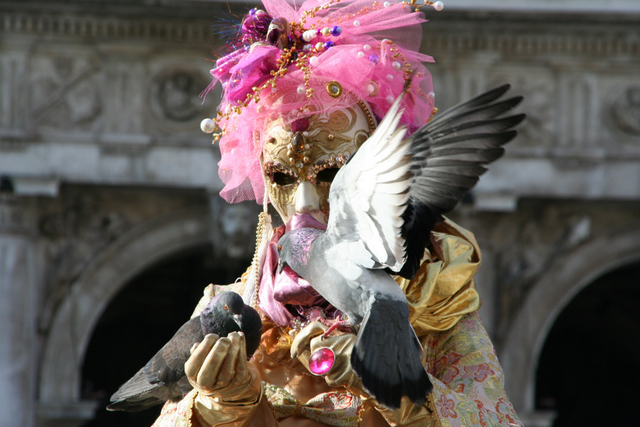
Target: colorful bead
point(336, 31)
point(326, 31)
point(329, 44)
point(321, 361)
point(309, 35)
point(207, 126)
point(374, 58)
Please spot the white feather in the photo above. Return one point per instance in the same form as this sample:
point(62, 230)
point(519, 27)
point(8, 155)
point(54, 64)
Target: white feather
point(369, 195)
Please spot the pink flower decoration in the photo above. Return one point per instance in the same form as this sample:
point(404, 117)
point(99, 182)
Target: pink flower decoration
point(447, 407)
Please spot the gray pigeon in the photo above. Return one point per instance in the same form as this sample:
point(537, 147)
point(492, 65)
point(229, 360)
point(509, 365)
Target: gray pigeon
point(163, 377)
point(384, 204)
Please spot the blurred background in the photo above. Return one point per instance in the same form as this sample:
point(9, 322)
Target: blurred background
point(111, 224)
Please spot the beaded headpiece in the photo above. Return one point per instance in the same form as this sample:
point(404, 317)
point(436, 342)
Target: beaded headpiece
point(289, 51)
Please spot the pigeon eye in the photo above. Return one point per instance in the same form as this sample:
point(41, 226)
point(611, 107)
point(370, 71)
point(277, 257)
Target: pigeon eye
point(327, 175)
point(226, 307)
point(282, 178)
point(280, 247)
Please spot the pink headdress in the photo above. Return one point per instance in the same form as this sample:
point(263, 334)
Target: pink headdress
point(294, 49)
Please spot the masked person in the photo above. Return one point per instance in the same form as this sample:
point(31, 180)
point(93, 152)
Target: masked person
point(305, 86)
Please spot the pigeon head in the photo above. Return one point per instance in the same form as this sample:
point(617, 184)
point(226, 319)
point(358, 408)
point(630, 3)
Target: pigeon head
point(227, 308)
point(294, 247)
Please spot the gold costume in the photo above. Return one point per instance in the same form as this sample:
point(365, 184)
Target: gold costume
point(459, 357)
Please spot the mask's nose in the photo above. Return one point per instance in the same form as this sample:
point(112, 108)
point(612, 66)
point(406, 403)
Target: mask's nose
point(307, 199)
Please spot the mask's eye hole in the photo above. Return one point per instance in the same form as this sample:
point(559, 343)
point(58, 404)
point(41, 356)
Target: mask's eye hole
point(226, 307)
point(282, 178)
point(327, 175)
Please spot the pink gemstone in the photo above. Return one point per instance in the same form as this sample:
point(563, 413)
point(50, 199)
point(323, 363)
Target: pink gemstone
point(300, 125)
point(321, 361)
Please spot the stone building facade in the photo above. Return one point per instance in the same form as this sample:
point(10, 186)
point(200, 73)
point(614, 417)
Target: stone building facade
point(106, 179)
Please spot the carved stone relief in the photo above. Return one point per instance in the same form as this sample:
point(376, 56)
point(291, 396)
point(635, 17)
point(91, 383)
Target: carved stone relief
point(538, 87)
point(625, 111)
point(65, 92)
point(74, 235)
point(176, 95)
point(233, 228)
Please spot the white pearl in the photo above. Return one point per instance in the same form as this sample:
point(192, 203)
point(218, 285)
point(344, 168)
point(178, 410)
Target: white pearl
point(309, 35)
point(356, 23)
point(207, 126)
point(305, 133)
point(319, 46)
point(438, 6)
point(431, 96)
point(366, 47)
point(274, 90)
point(390, 99)
point(371, 88)
point(396, 65)
point(386, 4)
point(389, 77)
point(360, 54)
point(301, 90)
point(314, 60)
point(326, 31)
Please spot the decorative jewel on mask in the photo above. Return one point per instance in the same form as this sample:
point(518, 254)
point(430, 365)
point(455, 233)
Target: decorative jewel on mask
point(334, 89)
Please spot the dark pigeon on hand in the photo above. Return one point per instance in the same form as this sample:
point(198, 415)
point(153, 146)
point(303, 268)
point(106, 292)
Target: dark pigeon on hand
point(163, 377)
point(384, 204)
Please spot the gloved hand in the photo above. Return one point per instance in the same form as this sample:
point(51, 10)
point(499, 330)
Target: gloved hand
point(309, 339)
point(228, 386)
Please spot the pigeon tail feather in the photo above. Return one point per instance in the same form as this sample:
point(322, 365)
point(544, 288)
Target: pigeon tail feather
point(387, 355)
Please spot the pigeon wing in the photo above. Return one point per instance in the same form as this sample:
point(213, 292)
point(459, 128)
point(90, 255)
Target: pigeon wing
point(167, 366)
point(162, 378)
point(448, 157)
point(369, 195)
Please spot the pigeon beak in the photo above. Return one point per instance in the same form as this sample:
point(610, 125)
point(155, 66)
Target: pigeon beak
point(281, 265)
point(238, 319)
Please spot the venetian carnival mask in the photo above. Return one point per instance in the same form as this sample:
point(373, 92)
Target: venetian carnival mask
point(302, 157)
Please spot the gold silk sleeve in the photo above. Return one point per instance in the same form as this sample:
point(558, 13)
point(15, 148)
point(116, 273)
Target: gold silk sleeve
point(443, 289)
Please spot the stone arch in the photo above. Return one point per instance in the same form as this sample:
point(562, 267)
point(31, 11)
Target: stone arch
point(565, 279)
point(116, 265)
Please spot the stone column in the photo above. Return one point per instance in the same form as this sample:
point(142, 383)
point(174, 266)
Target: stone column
point(18, 296)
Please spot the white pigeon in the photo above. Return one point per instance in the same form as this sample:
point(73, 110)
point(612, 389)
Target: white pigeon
point(384, 204)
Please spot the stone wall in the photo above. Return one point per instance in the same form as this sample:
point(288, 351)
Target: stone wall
point(104, 171)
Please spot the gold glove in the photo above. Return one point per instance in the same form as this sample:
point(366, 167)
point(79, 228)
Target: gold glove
point(309, 339)
point(228, 386)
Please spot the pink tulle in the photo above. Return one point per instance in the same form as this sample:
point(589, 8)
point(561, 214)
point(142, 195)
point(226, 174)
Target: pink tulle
point(361, 61)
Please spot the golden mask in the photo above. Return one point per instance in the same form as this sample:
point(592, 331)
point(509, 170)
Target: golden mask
point(302, 157)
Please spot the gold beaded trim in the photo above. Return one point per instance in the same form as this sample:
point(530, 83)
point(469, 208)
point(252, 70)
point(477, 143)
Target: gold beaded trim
point(273, 167)
point(332, 162)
